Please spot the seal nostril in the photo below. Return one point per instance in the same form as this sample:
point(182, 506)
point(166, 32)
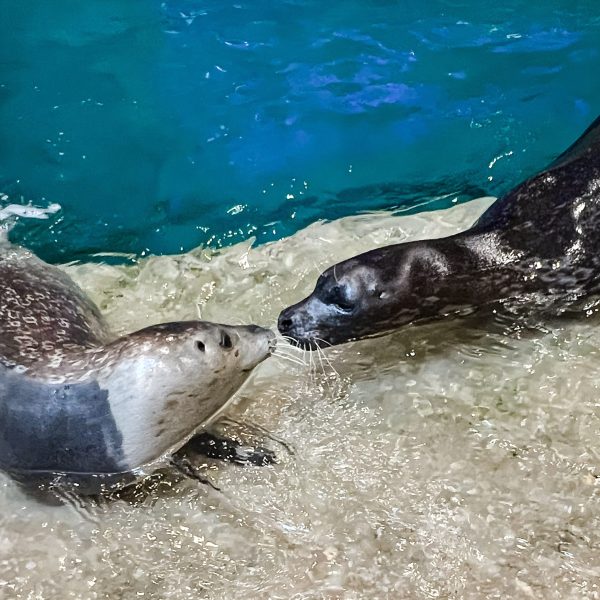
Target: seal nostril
point(200, 345)
point(285, 324)
point(225, 340)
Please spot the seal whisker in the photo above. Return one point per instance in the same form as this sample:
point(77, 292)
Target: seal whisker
point(291, 342)
point(327, 360)
point(321, 361)
point(322, 341)
point(294, 359)
point(325, 375)
point(337, 377)
point(289, 359)
point(314, 367)
point(293, 350)
point(288, 346)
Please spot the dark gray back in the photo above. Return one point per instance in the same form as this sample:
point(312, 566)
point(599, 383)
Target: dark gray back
point(539, 214)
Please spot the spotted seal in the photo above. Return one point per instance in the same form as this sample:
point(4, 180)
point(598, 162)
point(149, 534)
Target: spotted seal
point(80, 405)
point(539, 244)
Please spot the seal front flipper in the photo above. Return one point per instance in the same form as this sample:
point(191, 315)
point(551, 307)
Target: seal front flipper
point(211, 445)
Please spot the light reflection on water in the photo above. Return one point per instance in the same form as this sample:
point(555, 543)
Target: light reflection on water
point(453, 460)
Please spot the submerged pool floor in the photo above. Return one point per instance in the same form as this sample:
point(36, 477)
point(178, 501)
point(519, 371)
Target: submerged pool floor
point(447, 461)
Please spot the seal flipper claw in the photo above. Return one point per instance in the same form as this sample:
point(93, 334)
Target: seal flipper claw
point(261, 430)
point(185, 467)
point(223, 448)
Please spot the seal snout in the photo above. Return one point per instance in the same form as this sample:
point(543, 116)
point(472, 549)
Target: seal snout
point(255, 345)
point(291, 325)
point(288, 322)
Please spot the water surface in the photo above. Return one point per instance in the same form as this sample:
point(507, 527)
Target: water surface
point(159, 126)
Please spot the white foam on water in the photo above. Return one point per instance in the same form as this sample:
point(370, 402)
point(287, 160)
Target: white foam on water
point(26, 211)
point(11, 212)
point(445, 461)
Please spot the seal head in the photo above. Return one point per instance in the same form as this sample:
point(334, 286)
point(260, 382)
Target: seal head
point(373, 294)
point(114, 409)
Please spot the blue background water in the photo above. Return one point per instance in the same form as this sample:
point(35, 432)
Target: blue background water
point(162, 125)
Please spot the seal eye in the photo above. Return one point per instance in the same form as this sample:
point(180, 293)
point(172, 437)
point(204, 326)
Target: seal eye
point(200, 345)
point(225, 340)
point(337, 298)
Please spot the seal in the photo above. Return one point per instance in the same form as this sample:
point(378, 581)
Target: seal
point(537, 246)
point(82, 407)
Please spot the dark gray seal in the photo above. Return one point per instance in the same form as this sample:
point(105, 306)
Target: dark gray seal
point(539, 244)
point(80, 406)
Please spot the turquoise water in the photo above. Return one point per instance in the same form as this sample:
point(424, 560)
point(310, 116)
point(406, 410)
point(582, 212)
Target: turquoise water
point(159, 126)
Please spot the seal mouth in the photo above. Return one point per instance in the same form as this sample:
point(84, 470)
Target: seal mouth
point(272, 345)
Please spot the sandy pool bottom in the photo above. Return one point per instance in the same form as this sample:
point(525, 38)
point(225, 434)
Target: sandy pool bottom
point(441, 462)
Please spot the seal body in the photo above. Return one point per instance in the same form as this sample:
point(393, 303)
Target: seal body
point(78, 404)
point(537, 245)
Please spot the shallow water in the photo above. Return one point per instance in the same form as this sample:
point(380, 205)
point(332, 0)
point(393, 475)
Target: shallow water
point(162, 125)
point(447, 461)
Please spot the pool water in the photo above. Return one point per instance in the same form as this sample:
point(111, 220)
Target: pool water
point(160, 126)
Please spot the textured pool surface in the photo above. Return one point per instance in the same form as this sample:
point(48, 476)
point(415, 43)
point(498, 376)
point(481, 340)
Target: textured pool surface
point(450, 461)
point(160, 126)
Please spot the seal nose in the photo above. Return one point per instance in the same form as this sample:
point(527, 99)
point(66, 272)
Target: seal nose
point(292, 324)
point(225, 341)
point(285, 323)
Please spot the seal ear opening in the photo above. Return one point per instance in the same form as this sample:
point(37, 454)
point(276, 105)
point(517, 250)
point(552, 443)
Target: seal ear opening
point(200, 346)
